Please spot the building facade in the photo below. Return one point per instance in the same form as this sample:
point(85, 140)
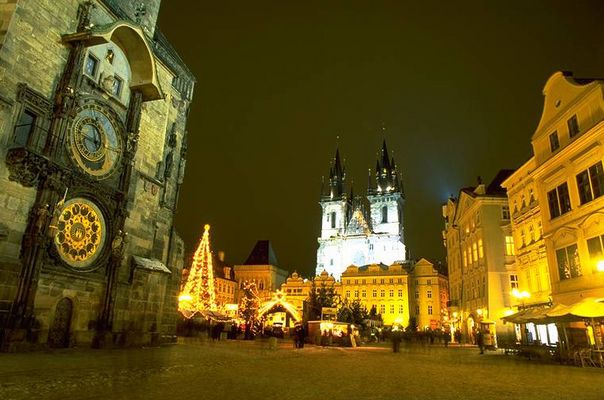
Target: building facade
point(428, 296)
point(480, 255)
point(361, 231)
point(531, 287)
point(568, 177)
point(261, 267)
point(381, 286)
point(93, 109)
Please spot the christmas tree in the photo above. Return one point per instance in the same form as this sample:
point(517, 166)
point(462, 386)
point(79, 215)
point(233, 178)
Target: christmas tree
point(198, 293)
point(248, 307)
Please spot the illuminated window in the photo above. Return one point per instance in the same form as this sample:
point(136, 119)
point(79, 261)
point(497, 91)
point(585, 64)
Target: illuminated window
point(429, 310)
point(400, 308)
point(558, 200)
point(475, 251)
point(382, 309)
point(554, 143)
point(400, 293)
point(568, 262)
point(348, 293)
point(595, 247)
point(509, 246)
point(573, 126)
point(465, 258)
point(356, 293)
point(391, 293)
point(374, 294)
point(391, 308)
point(591, 183)
point(363, 293)
point(480, 249)
point(382, 293)
point(429, 294)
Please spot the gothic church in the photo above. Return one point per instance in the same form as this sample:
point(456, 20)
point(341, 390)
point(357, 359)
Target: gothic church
point(361, 230)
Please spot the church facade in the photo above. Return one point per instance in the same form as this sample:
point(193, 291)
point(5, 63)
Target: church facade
point(93, 109)
point(361, 230)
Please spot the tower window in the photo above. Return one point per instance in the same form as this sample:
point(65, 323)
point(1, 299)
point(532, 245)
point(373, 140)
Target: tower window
point(333, 220)
point(91, 66)
point(24, 127)
point(116, 89)
point(384, 214)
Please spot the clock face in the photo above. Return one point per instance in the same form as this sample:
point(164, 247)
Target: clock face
point(81, 233)
point(95, 140)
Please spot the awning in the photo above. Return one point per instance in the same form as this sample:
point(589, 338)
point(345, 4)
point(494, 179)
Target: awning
point(588, 308)
point(151, 264)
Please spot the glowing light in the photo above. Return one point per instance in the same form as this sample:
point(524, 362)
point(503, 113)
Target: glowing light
point(279, 299)
point(199, 293)
point(479, 311)
point(600, 266)
point(508, 312)
point(520, 295)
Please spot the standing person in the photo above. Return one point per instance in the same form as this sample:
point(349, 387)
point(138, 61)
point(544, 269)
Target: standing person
point(447, 337)
point(480, 340)
point(458, 336)
point(396, 339)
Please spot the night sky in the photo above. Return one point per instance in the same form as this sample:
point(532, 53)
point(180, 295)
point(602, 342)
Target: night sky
point(457, 85)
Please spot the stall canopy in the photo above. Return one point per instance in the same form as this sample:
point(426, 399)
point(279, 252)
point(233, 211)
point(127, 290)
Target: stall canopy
point(588, 308)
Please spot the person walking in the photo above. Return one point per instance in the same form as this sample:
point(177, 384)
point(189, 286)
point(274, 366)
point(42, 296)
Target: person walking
point(480, 340)
point(446, 337)
point(396, 339)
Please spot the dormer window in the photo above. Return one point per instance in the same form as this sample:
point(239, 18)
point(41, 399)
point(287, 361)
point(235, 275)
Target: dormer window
point(554, 143)
point(573, 126)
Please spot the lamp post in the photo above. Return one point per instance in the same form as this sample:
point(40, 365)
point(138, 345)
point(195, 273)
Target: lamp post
point(521, 296)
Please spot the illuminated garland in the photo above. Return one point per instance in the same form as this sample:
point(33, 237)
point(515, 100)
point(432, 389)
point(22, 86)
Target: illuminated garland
point(199, 293)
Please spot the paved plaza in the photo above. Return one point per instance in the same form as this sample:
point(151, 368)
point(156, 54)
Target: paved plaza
point(251, 370)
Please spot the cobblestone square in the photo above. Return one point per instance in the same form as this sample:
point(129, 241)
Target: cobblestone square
point(251, 370)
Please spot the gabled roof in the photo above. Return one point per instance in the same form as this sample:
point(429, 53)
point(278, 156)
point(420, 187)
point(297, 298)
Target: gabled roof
point(262, 254)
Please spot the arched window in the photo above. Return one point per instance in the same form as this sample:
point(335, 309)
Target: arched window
point(384, 214)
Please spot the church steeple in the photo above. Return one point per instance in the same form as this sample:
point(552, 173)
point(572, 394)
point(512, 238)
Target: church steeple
point(387, 179)
point(337, 179)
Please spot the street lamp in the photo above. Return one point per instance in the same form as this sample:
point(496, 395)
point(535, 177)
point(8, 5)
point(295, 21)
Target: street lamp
point(521, 295)
point(600, 266)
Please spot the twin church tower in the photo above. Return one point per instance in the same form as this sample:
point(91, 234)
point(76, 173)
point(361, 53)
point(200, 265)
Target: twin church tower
point(361, 230)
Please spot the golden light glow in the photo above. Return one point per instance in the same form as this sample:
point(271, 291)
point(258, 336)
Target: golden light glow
point(600, 266)
point(279, 299)
point(199, 293)
point(520, 295)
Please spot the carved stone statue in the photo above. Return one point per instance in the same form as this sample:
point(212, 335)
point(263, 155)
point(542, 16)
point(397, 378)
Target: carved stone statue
point(119, 244)
point(42, 214)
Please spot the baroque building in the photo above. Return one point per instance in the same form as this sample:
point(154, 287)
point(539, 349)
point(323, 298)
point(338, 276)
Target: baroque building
point(566, 178)
point(93, 109)
point(361, 231)
point(480, 255)
point(428, 296)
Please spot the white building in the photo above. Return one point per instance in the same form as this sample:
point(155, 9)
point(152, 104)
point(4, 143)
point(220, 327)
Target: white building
point(361, 230)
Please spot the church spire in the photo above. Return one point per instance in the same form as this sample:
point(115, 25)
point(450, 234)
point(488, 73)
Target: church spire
point(337, 179)
point(387, 179)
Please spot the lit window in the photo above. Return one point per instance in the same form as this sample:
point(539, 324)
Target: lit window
point(480, 249)
point(363, 293)
point(391, 308)
point(356, 293)
point(465, 258)
point(400, 308)
point(400, 293)
point(382, 309)
point(573, 126)
point(374, 293)
point(429, 294)
point(429, 310)
point(568, 262)
point(509, 246)
point(382, 293)
point(595, 247)
point(348, 293)
point(591, 183)
point(391, 293)
point(558, 200)
point(554, 143)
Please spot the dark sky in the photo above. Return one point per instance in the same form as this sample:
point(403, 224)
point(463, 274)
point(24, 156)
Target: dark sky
point(457, 84)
